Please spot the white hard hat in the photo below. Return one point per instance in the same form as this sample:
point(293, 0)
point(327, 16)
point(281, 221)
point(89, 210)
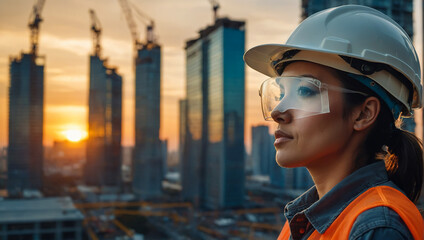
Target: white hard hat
point(354, 39)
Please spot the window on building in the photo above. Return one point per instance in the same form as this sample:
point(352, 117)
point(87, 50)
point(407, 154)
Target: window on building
point(68, 224)
point(48, 225)
point(48, 236)
point(20, 226)
point(20, 237)
point(68, 235)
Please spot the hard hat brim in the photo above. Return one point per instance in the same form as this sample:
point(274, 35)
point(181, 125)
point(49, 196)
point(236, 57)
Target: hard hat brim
point(261, 58)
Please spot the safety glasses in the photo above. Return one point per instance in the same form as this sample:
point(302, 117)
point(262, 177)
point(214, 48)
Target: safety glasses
point(306, 96)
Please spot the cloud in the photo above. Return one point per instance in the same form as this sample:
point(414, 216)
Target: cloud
point(78, 46)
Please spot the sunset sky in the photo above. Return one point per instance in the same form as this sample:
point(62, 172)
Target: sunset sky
point(65, 40)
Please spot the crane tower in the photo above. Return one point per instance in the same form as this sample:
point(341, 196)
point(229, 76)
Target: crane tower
point(148, 157)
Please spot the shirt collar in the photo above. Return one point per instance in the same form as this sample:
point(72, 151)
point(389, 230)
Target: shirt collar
point(322, 212)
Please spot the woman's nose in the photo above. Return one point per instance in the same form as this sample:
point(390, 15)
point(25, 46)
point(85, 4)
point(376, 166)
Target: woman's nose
point(281, 117)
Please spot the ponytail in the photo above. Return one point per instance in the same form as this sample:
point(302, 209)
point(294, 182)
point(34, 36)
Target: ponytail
point(404, 162)
point(401, 151)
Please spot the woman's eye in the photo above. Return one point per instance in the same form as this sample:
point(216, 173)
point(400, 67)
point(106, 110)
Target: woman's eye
point(306, 91)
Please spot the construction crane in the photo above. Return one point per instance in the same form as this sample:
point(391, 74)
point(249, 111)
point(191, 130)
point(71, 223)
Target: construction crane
point(148, 21)
point(215, 7)
point(130, 21)
point(150, 38)
point(96, 30)
point(34, 25)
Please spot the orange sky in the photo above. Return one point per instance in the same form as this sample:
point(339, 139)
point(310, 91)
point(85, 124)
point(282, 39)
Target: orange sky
point(65, 40)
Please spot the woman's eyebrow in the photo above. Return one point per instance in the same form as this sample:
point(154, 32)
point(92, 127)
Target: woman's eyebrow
point(308, 75)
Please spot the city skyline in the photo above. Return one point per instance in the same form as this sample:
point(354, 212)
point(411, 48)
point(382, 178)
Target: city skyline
point(66, 43)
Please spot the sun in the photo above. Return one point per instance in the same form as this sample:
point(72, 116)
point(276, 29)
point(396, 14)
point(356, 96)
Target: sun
point(74, 135)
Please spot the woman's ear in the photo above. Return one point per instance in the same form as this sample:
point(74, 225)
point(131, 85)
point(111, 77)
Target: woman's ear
point(367, 114)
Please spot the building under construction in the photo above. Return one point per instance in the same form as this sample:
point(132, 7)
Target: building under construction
point(103, 164)
point(147, 164)
point(26, 103)
point(147, 156)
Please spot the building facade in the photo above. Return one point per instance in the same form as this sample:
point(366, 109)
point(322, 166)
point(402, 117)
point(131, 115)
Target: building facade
point(399, 10)
point(147, 157)
point(194, 150)
point(263, 152)
point(103, 151)
point(182, 131)
point(215, 114)
point(26, 106)
point(46, 218)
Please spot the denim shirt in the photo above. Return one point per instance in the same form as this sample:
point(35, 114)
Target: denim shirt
point(308, 213)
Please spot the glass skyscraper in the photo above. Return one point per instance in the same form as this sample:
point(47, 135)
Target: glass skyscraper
point(182, 131)
point(147, 158)
point(26, 106)
point(263, 152)
point(399, 10)
point(103, 164)
point(214, 155)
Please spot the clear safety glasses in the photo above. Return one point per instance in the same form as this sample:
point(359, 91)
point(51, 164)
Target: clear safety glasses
point(307, 96)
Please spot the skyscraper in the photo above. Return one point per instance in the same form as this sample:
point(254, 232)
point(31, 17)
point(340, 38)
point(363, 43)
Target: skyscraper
point(189, 166)
point(194, 149)
point(215, 114)
point(182, 128)
point(263, 156)
point(26, 102)
point(399, 10)
point(103, 165)
point(147, 159)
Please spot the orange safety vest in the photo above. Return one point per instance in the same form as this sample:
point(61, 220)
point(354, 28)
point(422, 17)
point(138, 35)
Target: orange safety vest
point(374, 197)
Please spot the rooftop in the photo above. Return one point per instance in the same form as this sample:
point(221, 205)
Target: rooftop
point(36, 210)
point(220, 22)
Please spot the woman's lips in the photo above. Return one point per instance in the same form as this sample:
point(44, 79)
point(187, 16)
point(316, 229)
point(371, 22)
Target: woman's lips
point(281, 137)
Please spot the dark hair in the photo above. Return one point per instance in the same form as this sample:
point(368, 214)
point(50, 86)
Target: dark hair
point(401, 150)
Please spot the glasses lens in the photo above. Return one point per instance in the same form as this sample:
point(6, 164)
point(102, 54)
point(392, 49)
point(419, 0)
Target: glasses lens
point(306, 96)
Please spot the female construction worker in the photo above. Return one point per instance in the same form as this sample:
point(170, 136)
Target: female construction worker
point(336, 89)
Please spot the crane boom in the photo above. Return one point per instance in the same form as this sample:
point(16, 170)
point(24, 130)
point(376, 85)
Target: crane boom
point(150, 24)
point(130, 21)
point(34, 25)
point(96, 31)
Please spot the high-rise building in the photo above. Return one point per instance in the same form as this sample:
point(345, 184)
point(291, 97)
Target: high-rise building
point(103, 164)
point(3, 167)
point(164, 156)
point(263, 156)
point(302, 178)
point(182, 131)
point(147, 158)
point(26, 101)
point(194, 149)
point(399, 10)
point(215, 114)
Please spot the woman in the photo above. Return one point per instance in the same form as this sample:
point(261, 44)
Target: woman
point(337, 87)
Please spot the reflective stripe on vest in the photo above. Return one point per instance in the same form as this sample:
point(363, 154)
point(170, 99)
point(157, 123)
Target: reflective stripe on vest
point(374, 197)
